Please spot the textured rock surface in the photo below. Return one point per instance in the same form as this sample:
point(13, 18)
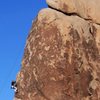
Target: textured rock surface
point(61, 59)
point(88, 9)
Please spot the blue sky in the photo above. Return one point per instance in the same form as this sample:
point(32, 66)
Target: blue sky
point(15, 22)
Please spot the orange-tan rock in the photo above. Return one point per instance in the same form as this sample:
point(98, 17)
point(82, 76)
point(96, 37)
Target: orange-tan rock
point(88, 9)
point(61, 59)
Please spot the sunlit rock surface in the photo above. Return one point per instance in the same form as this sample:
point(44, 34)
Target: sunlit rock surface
point(61, 59)
point(88, 9)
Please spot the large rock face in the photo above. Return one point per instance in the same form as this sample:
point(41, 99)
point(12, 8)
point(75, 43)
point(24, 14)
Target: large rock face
point(62, 57)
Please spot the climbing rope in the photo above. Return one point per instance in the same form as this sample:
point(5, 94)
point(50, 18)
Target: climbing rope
point(9, 75)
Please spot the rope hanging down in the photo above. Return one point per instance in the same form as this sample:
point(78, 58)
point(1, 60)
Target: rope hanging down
point(10, 73)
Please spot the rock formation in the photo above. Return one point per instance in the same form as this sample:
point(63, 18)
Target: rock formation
point(87, 9)
point(62, 54)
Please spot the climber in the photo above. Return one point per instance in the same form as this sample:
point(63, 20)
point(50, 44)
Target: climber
point(14, 86)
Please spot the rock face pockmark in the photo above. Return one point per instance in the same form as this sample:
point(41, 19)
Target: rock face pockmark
point(62, 54)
